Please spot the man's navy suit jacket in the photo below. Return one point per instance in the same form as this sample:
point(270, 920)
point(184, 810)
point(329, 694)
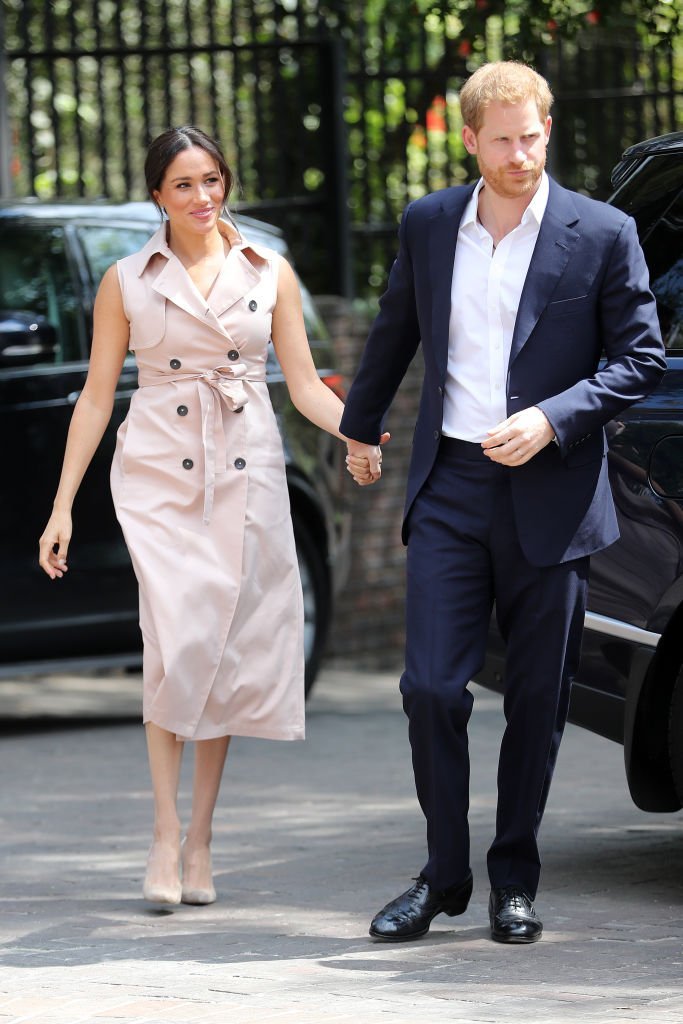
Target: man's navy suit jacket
point(586, 295)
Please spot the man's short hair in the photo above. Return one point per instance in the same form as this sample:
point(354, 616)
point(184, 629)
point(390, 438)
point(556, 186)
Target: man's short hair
point(504, 81)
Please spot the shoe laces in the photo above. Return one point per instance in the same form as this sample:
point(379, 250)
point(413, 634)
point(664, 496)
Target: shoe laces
point(517, 900)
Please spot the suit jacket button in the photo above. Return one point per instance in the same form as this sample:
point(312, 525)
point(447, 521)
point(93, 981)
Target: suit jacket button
point(175, 364)
point(188, 463)
point(440, 390)
point(239, 463)
point(233, 354)
point(253, 305)
point(437, 435)
point(182, 410)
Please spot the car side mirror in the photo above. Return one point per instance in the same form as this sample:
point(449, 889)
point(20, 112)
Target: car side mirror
point(665, 467)
point(25, 338)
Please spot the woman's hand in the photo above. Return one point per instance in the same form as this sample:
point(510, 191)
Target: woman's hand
point(57, 534)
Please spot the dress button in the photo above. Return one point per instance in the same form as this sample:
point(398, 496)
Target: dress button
point(233, 354)
point(175, 364)
point(239, 463)
point(253, 305)
point(188, 463)
point(182, 410)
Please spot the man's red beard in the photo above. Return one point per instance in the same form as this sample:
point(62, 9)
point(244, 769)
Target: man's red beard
point(512, 186)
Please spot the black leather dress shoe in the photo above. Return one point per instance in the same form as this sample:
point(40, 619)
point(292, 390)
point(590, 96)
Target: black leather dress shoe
point(410, 914)
point(512, 916)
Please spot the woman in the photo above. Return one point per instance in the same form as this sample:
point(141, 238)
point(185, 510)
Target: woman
point(199, 486)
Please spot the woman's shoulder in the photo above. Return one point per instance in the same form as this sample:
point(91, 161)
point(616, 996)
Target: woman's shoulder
point(136, 262)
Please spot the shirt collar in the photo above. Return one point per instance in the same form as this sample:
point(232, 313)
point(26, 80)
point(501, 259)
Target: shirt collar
point(469, 217)
point(534, 210)
point(536, 207)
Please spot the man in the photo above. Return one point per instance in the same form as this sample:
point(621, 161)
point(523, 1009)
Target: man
point(515, 287)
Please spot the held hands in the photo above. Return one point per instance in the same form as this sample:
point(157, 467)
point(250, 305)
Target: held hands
point(518, 438)
point(364, 461)
point(57, 532)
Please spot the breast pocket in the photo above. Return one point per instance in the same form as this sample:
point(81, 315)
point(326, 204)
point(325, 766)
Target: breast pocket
point(568, 307)
point(148, 323)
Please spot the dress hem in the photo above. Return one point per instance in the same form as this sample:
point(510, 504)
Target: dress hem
point(262, 734)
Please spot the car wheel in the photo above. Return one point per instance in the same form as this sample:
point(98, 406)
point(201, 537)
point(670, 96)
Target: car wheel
point(315, 586)
point(676, 735)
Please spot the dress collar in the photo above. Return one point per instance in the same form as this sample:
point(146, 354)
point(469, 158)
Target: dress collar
point(158, 245)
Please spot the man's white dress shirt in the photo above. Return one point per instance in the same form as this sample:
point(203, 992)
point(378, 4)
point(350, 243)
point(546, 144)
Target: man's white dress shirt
point(485, 292)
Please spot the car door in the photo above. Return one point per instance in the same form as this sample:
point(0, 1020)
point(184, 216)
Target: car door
point(95, 606)
point(630, 580)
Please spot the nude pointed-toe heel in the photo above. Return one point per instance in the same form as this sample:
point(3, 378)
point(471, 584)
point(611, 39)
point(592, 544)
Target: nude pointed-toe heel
point(155, 891)
point(198, 896)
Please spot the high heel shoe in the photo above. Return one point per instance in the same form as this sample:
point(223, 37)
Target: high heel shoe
point(198, 896)
point(154, 890)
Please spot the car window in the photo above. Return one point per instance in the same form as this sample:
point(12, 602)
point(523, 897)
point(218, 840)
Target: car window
point(105, 244)
point(315, 329)
point(648, 194)
point(664, 253)
point(36, 279)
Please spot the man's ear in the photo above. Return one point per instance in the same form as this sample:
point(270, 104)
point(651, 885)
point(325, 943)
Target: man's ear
point(470, 139)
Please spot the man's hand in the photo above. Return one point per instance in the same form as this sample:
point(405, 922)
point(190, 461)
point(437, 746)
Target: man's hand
point(518, 438)
point(364, 461)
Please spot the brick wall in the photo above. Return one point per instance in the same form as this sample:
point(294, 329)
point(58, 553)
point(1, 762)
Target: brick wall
point(368, 624)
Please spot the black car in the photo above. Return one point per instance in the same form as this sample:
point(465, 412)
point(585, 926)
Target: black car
point(52, 257)
point(630, 681)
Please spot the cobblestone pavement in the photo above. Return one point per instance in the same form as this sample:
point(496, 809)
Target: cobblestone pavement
point(311, 840)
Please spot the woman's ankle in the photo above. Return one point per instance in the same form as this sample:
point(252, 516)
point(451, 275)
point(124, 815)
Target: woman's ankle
point(166, 832)
point(197, 838)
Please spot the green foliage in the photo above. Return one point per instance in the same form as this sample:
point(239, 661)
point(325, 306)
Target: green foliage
point(80, 126)
point(527, 26)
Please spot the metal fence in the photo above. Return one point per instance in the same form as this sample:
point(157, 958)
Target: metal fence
point(333, 114)
point(89, 84)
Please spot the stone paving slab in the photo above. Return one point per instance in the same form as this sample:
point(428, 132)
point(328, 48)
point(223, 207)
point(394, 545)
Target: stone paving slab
point(310, 840)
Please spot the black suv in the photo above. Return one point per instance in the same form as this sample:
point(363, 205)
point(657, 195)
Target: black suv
point(52, 257)
point(630, 682)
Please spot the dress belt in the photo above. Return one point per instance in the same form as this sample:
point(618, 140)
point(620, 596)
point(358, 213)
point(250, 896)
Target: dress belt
point(222, 384)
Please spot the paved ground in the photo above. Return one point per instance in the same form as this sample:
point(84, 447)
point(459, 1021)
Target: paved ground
point(311, 839)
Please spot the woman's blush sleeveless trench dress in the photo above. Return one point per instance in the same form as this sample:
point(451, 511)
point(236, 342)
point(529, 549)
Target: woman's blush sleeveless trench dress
point(200, 491)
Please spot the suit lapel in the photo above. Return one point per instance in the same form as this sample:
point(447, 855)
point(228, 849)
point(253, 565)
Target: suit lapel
point(443, 236)
point(556, 240)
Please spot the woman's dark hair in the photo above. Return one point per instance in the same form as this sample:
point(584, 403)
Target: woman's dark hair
point(165, 148)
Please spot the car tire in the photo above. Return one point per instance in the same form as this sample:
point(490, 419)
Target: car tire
point(676, 735)
point(317, 604)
